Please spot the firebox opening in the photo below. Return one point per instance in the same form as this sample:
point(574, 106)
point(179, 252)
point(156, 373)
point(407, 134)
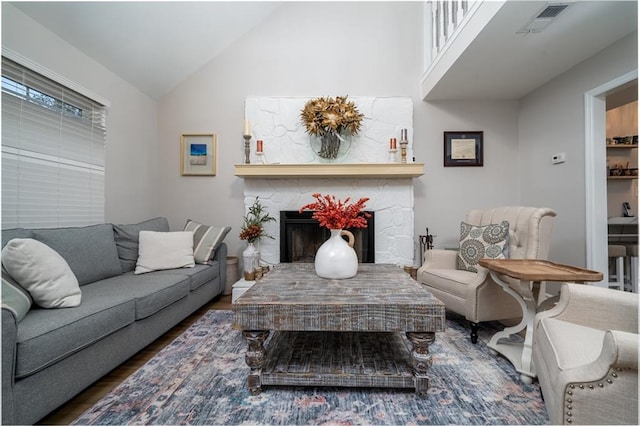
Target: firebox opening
point(301, 236)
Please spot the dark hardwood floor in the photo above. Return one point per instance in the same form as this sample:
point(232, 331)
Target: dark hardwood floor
point(86, 399)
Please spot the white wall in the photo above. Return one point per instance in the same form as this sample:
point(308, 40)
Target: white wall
point(551, 120)
point(332, 48)
point(131, 153)
point(445, 194)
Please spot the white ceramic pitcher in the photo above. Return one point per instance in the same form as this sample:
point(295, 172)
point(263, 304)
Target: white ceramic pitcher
point(336, 258)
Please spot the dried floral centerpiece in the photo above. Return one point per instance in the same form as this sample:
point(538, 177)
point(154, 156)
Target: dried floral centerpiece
point(336, 214)
point(330, 119)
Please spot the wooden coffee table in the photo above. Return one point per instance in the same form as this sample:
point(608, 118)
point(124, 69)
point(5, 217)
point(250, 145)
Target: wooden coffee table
point(350, 332)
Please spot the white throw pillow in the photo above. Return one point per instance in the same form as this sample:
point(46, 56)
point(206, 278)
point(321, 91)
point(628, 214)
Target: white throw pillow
point(41, 271)
point(164, 250)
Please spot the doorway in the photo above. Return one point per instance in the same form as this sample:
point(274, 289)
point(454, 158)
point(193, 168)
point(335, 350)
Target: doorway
point(596, 172)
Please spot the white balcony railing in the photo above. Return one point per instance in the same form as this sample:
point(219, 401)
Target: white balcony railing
point(446, 17)
point(450, 27)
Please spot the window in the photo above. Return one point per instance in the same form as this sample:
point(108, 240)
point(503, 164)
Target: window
point(53, 152)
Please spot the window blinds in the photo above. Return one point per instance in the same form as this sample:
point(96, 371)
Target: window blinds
point(53, 152)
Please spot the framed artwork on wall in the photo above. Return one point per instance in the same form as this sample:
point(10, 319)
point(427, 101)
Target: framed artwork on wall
point(198, 154)
point(463, 149)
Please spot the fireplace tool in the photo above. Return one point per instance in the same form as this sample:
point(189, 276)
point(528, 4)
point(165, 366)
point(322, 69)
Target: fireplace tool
point(426, 243)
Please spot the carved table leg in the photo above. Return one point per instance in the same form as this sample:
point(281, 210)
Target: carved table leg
point(421, 359)
point(255, 358)
point(519, 354)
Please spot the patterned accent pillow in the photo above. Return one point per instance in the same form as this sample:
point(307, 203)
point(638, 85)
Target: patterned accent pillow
point(14, 297)
point(206, 239)
point(477, 242)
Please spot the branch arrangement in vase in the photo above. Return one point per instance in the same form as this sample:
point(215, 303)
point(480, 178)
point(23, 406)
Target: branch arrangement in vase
point(252, 227)
point(337, 214)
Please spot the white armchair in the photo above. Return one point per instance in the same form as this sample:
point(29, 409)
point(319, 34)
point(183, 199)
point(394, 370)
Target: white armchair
point(585, 350)
point(476, 295)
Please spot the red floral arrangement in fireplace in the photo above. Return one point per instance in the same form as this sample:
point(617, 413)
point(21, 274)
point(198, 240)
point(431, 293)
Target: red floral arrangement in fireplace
point(337, 214)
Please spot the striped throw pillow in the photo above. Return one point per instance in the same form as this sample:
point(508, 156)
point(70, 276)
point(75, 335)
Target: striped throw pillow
point(14, 297)
point(206, 239)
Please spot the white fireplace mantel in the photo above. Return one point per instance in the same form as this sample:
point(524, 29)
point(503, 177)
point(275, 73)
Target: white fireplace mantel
point(292, 172)
point(339, 170)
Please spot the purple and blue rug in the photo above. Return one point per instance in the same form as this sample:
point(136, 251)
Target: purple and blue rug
point(200, 378)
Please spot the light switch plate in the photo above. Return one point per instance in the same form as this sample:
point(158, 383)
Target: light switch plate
point(558, 158)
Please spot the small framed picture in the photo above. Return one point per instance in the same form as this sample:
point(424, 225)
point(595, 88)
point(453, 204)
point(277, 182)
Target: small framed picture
point(198, 154)
point(463, 149)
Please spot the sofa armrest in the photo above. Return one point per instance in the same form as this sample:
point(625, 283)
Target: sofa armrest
point(619, 351)
point(440, 259)
point(610, 381)
point(622, 346)
point(221, 257)
point(9, 341)
point(595, 307)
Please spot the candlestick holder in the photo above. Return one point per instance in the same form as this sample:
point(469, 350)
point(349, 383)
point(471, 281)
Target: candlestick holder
point(403, 151)
point(260, 159)
point(247, 149)
point(393, 157)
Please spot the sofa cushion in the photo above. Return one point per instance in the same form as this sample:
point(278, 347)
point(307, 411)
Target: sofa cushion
point(203, 274)
point(90, 251)
point(198, 275)
point(126, 237)
point(15, 298)
point(566, 345)
point(206, 239)
point(151, 292)
point(477, 242)
point(449, 280)
point(42, 272)
point(164, 250)
point(47, 336)
point(10, 234)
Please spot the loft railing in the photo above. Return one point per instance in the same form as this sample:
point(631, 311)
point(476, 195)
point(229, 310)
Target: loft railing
point(451, 26)
point(446, 18)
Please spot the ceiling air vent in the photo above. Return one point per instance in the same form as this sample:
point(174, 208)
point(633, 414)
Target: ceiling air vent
point(552, 10)
point(544, 18)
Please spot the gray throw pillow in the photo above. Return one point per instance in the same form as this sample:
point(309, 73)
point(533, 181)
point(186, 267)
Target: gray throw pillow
point(127, 239)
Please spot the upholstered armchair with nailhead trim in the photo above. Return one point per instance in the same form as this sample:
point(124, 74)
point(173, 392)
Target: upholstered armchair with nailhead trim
point(585, 351)
point(474, 294)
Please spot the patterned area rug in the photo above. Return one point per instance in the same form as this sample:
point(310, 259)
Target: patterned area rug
point(200, 378)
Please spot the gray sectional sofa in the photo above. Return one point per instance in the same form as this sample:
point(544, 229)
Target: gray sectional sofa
point(51, 355)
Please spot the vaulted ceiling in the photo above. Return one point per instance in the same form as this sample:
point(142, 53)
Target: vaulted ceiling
point(156, 45)
point(152, 45)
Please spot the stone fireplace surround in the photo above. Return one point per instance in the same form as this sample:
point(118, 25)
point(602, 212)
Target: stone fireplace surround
point(275, 120)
